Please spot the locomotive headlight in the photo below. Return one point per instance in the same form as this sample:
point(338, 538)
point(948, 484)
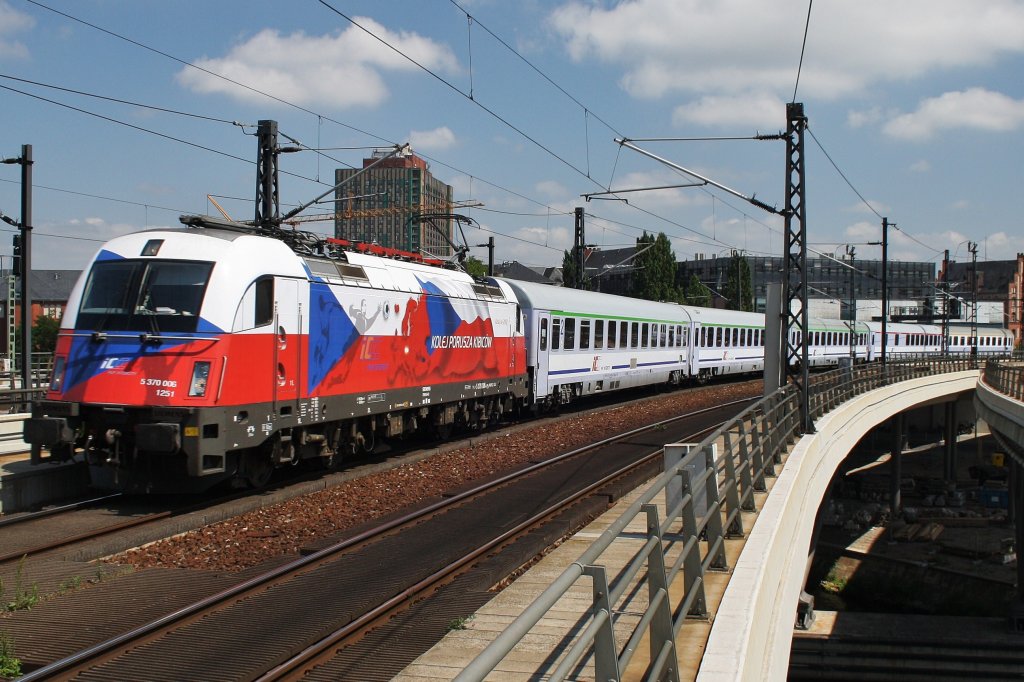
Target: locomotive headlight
point(200, 375)
point(57, 377)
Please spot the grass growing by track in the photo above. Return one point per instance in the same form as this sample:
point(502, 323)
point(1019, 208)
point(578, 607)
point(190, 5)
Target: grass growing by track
point(10, 667)
point(24, 596)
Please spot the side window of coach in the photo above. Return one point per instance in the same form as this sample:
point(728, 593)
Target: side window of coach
point(569, 342)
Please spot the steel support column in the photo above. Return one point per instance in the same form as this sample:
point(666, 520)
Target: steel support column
point(795, 359)
point(896, 466)
point(268, 205)
point(578, 251)
point(949, 459)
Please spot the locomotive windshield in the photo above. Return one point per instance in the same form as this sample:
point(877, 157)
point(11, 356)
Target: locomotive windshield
point(152, 296)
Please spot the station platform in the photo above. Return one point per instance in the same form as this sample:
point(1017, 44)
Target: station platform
point(25, 486)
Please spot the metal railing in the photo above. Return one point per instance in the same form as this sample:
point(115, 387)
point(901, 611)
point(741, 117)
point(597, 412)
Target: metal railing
point(1006, 375)
point(705, 493)
point(17, 398)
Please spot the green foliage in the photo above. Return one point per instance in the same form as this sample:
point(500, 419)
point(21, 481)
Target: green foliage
point(44, 334)
point(738, 288)
point(10, 667)
point(475, 267)
point(833, 583)
point(570, 271)
point(655, 275)
point(460, 623)
point(23, 597)
point(697, 293)
point(70, 584)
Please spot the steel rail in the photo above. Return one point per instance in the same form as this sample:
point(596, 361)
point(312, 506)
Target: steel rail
point(83, 659)
point(43, 513)
point(291, 667)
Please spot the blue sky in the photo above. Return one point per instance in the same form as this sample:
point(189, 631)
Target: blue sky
point(916, 110)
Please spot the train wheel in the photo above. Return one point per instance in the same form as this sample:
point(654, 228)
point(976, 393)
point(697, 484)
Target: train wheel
point(257, 468)
point(368, 442)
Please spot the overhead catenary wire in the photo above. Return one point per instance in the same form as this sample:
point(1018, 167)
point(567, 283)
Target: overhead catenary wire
point(299, 107)
point(321, 117)
point(861, 196)
point(172, 138)
point(803, 48)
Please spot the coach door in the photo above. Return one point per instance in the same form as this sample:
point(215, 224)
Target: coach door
point(287, 326)
point(543, 350)
point(694, 350)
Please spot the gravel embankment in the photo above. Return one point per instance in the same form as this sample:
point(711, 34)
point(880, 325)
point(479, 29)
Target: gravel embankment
point(252, 538)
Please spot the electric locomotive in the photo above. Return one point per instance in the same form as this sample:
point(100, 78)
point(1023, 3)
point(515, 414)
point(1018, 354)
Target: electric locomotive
point(191, 356)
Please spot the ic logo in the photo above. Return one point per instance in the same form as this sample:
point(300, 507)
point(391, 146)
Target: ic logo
point(109, 363)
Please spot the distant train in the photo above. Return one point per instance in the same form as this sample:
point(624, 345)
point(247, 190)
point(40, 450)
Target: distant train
point(189, 357)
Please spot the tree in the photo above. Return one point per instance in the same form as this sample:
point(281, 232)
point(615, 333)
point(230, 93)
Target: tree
point(738, 288)
point(570, 271)
point(44, 334)
point(655, 274)
point(697, 293)
point(474, 266)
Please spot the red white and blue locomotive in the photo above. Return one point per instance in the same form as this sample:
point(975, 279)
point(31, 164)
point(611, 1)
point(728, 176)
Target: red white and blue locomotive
point(192, 356)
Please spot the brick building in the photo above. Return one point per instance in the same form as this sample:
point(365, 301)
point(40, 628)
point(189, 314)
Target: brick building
point(381, 205)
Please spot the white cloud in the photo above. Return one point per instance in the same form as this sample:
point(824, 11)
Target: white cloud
point(859, 119)
point(70, 244)
point(552, 188)
point(759, 110)
point(432, 140)
point(667, 46)
point(873, 207)
point(12, 22)
point(921, 166)
point(976, 108)
point(960, 205)
point(534, 245)
point(343, 69)
point(655, 199)
point(863, 232)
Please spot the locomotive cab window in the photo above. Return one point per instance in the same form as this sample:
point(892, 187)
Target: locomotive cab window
point(151, 296)
point(256, 308)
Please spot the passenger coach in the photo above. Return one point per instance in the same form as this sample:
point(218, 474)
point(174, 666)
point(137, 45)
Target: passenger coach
point(583, 342)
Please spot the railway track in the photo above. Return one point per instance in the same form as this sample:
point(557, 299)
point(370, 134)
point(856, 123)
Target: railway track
point(304, 611)
point(44, 532)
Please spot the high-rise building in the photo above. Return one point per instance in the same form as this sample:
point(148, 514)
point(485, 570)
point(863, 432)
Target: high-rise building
point(386, 204)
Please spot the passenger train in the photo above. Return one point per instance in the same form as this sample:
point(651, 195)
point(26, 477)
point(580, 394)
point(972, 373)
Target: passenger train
point(216, 352)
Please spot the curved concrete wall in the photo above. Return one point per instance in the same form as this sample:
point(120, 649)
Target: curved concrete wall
point(1003, 413)
point(753, 629)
